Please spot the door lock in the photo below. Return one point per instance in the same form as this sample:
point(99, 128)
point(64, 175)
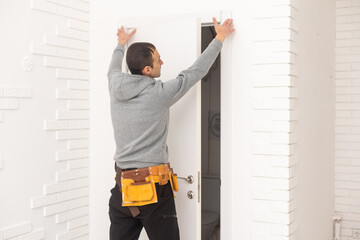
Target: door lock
point(190, 194)
point(189, 179)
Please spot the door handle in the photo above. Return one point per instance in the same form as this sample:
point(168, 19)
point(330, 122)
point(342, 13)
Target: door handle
point(189, 179)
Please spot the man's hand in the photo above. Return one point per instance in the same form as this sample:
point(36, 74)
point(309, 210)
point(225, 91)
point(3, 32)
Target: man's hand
point(123, 37)
point(224, 30)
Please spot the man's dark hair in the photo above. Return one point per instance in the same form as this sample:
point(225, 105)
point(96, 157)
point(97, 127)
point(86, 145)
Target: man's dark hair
point(139, 55)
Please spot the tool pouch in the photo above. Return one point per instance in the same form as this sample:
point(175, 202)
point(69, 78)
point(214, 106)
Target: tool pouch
point(173, 181)
point(138, 193)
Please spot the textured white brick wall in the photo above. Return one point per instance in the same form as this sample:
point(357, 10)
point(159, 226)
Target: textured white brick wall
point(274, 115)
point(65, 51)
point(347, 124)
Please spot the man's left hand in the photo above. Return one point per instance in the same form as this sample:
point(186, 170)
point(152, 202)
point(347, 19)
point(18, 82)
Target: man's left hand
point(123, 37)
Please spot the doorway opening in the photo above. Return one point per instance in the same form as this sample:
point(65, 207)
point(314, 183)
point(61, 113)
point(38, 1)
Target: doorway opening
point(210, 144)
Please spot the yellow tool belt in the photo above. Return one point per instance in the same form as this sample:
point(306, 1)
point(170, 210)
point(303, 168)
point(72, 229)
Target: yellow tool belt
point(138, 186)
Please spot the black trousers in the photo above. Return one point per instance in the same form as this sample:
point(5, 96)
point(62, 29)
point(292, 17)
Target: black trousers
point(158, 219)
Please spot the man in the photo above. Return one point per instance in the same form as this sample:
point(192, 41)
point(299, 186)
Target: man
point(140, 115)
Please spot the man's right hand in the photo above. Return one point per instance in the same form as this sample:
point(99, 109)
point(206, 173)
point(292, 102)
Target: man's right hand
point(123, 37)
point(223, 30)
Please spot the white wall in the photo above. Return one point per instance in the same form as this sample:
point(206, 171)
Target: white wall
point(314, 149)
point(44, 119)
point(347, 122)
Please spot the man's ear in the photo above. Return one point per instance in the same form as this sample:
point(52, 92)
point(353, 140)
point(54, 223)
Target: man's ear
point(146, 71)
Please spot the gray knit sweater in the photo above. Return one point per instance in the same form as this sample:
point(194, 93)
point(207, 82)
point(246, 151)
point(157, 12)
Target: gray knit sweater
point(140, 108)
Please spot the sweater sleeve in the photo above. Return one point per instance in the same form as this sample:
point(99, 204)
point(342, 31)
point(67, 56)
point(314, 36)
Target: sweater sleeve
point(173, 90)
point(116, 60)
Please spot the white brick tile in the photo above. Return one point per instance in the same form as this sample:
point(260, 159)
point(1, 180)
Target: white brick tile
point(71, 154)
point(65, 186)
point(342, 129)
point(347, 11)
point(273, 183)
point(71, 94)
point(1, 91)
point(72, 74)
point(72, 174)
point(55, 125)
point(81, 163)
point(1, 163)
point(347, 58)
point(72, 134)
point(342, 145)
point(273, 11)
point(274, 104)
point(274, 161)
point(341, 4)
point(38, 234)
point(273, 34)
point(342, 208)
point(355, 66)
point(72, 214)
point(278, 149)
point(273, 217)
point(273, 57)
point(59, 10)
point(78, 25)
point(284, 46)
point(342, 83)
point(17, 92)
point(347, 154)
point(273, 195)
point(347, 185)
point(272, 172)
point(347, 90)
point(274, 138)
point(72, 4)
point(342, 50)
point(347, 138)
point(343, 19)
point(343, 114)
point(347, 106)
point(8, 104)
point(72, 114)
point(1, 235)
point(342, 193)
point(78, 85)
point(355, 18)
point(85, 237)
point(346, 43)
point(59, 197)
point(65, 206)
point(73, 234)
point(273, 126)
point(78, 222)
point(276, 115)
point(355, 193)
point(264, 79)
point(1, 116)
point(41, 49)
point(343, 98)
point(79, 124)
point(17, 230)
point(343, 67)
point(72, 34)
point(66, 43)
point(65, 63)
point(78, 104)
point(347, 122)
point(76, 144)
point(342, 176)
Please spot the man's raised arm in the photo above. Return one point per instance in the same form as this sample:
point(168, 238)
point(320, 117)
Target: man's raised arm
point(117, 57)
